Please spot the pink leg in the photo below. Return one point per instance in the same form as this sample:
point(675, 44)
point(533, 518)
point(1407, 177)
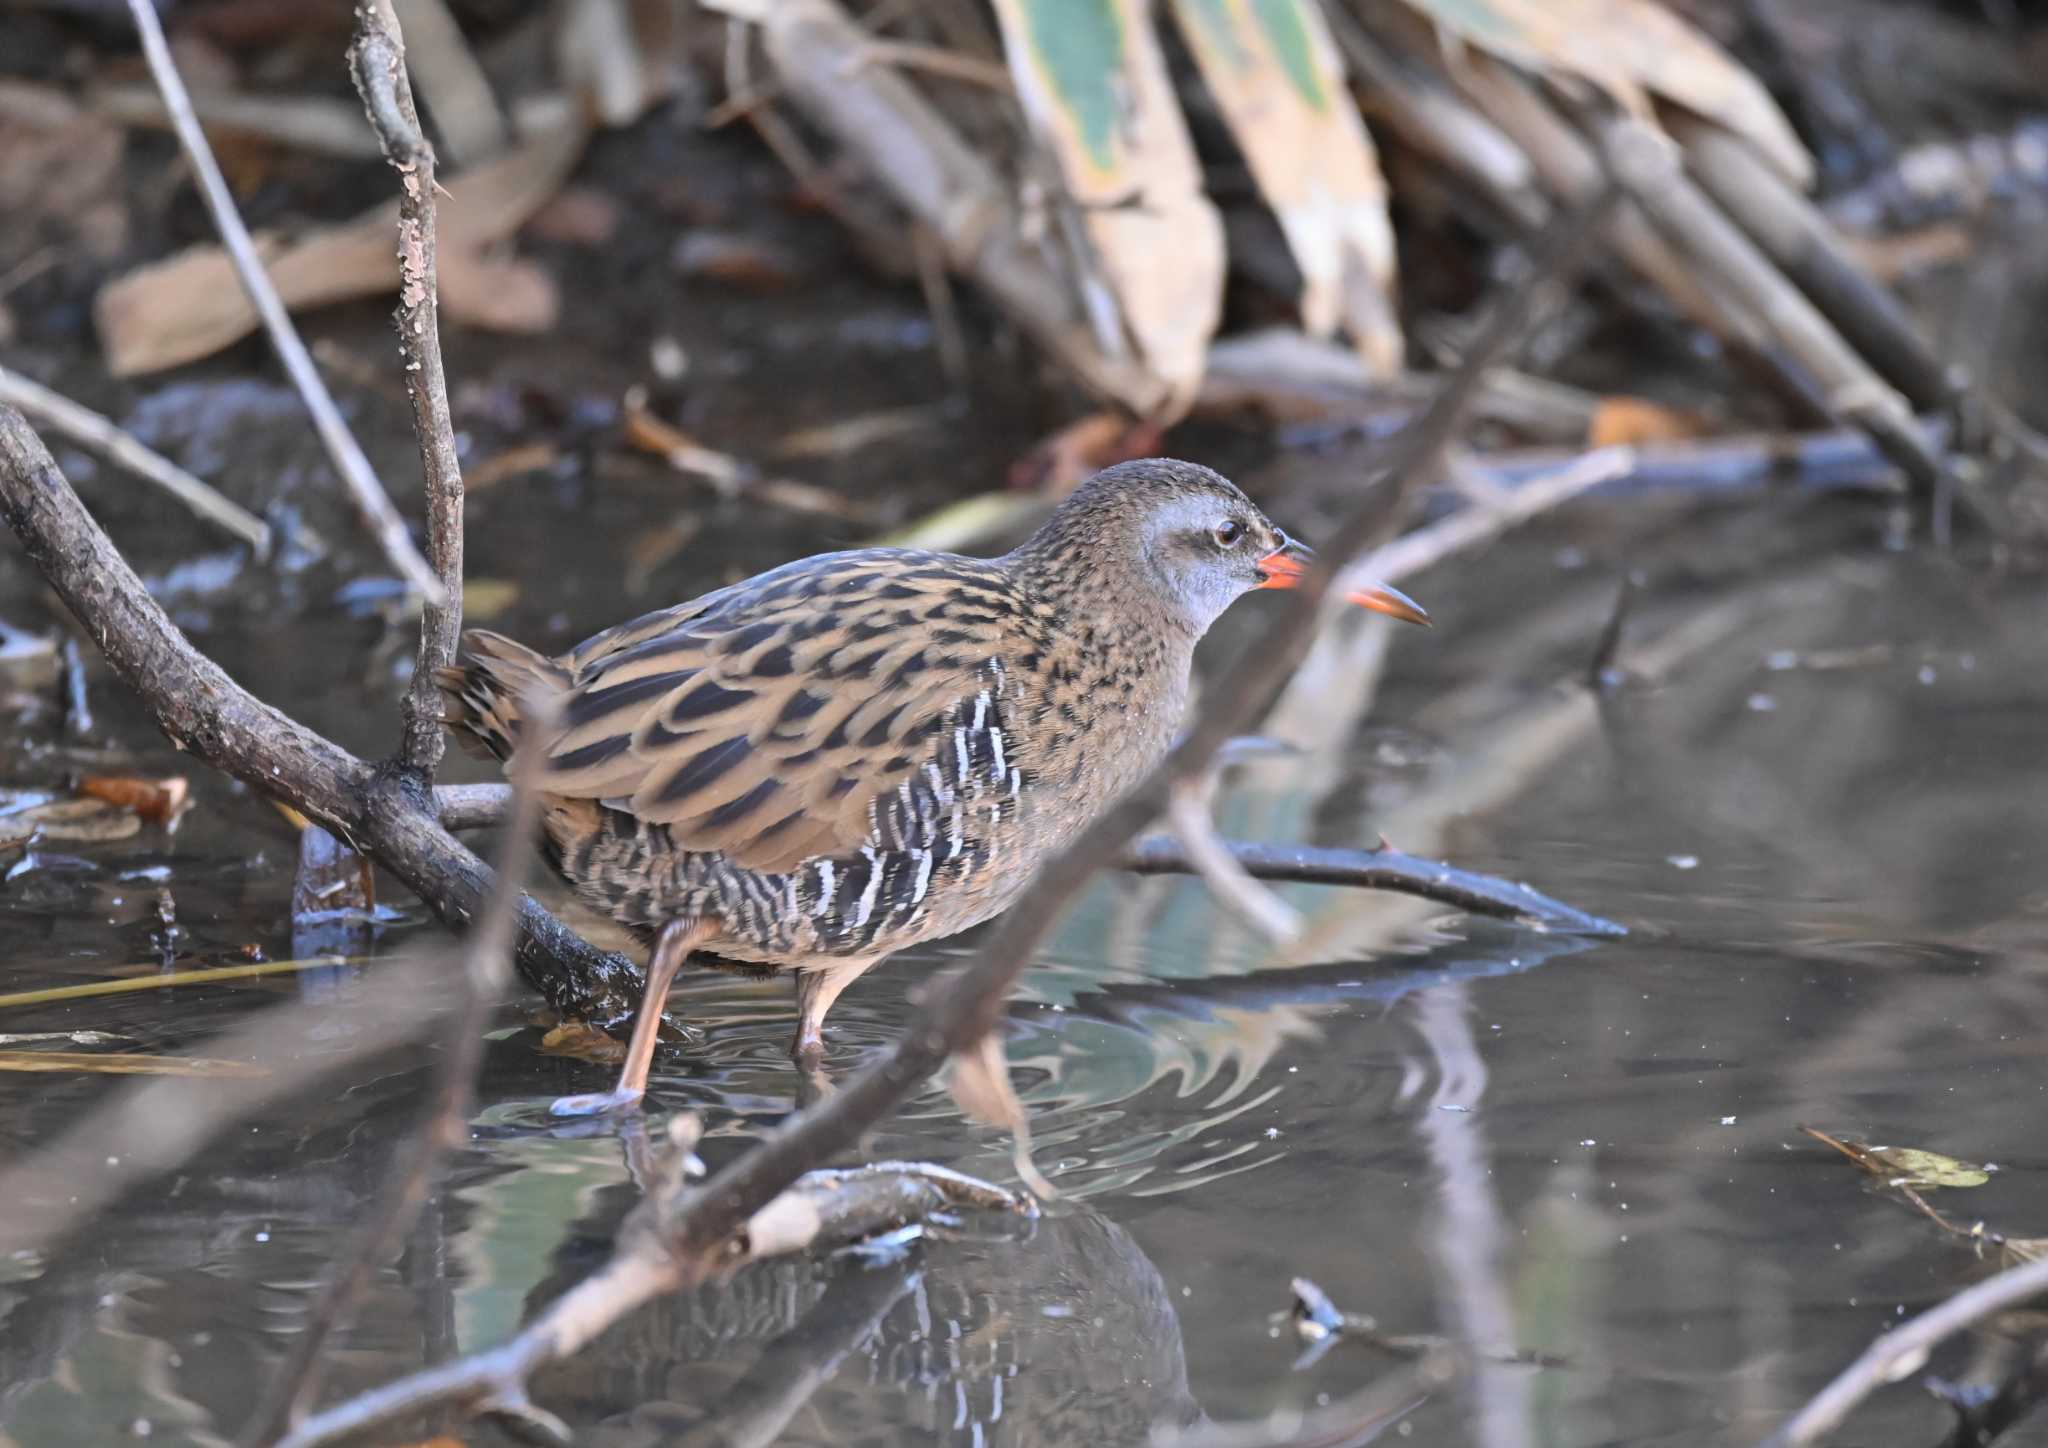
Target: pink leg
point(815, 992)
point(678, 939)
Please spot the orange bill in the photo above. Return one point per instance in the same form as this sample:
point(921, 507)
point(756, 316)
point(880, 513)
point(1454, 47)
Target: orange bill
point(1288, 564)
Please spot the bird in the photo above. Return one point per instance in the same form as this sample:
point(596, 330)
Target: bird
point(855, 752)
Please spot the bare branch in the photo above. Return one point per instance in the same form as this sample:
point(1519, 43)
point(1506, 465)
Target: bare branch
point(380, 812)
point(1902, 1349)
point(371, 502)
point(377, 61)
point(89, 429)
point(1382, 869)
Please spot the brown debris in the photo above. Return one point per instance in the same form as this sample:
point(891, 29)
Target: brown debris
point(159, 801)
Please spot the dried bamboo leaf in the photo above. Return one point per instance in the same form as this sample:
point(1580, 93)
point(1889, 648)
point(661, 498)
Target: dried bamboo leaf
point(190, 305)
point(1632, 49)
point(1095, 89)
point(1276, 73)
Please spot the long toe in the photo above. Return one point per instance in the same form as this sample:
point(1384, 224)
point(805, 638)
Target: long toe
point(598, 1103)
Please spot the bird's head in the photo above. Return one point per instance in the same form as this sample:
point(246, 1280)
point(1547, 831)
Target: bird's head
point(1191, 536)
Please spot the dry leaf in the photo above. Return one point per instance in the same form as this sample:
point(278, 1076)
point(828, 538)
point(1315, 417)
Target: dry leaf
point(1632, 49)
point(98, 1063)
point(190, 305)
point(581, 1041)
point(1619, 420)
point(980, 1083)
point(1096, 91)
point(160, 801)
point(1277, 76)
point(1906, 1166)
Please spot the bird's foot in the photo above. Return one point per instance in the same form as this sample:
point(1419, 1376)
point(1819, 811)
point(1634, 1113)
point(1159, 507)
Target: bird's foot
point(598, 1103)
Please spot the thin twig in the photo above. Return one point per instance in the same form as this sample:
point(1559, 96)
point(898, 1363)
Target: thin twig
point(961, 1011)
point(1187, 810)
point(89, 429)
point(371, 502)
point(1425, 547)
point(1903, 1348)
point(1383, 869)
point(486, 960)
point(377, 61)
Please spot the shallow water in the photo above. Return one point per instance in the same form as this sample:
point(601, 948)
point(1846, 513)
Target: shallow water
point(1816, 802)
point(1827, 854)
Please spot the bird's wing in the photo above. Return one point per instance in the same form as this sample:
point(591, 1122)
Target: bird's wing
point(763, 721)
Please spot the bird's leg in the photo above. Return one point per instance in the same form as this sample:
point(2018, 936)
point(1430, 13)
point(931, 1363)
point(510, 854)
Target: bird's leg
point(815, 992)
point(678, 938)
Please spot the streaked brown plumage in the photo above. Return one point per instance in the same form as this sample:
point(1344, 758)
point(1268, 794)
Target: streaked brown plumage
point(859, 751)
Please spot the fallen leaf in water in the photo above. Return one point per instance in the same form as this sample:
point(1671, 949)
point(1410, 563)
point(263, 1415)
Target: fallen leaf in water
point(581, 1041)
point(160, 801)
point(484, 599)
point(1906, 1166)
point(29, 814)
point(93, 1062)
point(1619, 420)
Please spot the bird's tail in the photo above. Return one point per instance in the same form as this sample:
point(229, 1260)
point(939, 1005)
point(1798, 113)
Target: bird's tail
point(482, 691)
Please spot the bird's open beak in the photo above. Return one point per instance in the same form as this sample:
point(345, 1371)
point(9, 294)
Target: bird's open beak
point(1287, 565)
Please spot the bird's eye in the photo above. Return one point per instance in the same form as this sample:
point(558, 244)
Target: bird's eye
point(1228, 532)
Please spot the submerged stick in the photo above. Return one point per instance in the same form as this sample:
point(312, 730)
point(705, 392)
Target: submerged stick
point(354, 468)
